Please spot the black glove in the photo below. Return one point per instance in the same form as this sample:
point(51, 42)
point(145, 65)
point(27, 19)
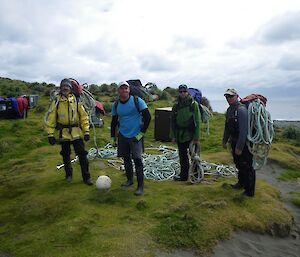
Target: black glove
point(86, 137)
point(51, 140)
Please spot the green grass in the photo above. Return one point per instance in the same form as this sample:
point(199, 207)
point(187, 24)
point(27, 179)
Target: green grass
point(295, 198)
point(41, 215)
point(289, 175)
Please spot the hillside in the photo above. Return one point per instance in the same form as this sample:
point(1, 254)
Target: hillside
point(42, 215)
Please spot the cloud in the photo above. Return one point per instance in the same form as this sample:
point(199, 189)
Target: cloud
point(186, 43)
point(280, 29)
point(290, 62)
point(156, 63)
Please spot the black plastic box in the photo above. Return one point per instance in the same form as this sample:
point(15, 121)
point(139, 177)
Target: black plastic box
point(162, 125)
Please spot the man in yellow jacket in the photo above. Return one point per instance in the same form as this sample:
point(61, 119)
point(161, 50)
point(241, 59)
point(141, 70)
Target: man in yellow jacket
point(68, 117)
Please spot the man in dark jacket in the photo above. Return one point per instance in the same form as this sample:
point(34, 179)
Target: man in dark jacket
point(185, 128)
point(235, 132)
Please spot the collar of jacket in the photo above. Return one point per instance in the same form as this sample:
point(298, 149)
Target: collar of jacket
point(65, 98)
point(185, 101)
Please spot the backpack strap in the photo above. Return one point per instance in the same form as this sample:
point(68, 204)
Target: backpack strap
point(136, 104)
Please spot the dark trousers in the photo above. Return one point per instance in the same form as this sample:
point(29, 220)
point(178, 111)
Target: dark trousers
point(184, 159)
point(246, 173)
point(78, 145)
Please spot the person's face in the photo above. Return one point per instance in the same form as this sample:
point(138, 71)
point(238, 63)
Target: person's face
point(124, 91)
point(183, 93)
point(65, 90)
point(231, 99)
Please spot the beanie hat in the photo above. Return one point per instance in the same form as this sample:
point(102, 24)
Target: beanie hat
point(66, 82)
point(183, 86)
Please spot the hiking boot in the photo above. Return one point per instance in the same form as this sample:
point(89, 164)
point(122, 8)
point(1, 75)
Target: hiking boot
point(69, 179)
point(179, 179)
point(88, 182)
point(237, 185)
point(128, 183)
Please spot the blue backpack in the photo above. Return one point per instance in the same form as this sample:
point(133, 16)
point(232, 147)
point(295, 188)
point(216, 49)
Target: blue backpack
point(197, 96)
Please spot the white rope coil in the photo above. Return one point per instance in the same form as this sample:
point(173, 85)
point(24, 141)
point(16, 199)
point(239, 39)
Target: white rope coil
point(165, 165)
point(260, 133)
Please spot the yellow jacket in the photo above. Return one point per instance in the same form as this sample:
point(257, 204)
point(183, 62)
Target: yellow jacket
point(68, 117)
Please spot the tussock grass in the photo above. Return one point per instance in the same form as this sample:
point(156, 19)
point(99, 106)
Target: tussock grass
point(295, 198)
point(42, 215)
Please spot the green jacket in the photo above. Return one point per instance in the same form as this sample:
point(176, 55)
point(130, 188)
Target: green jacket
point(185, 120)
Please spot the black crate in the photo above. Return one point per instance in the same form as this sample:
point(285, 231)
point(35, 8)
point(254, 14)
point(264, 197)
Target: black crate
point(162, 125)
point(6, 110)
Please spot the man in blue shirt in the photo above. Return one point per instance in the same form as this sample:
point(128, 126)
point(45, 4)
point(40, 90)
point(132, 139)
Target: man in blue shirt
point(132, 116)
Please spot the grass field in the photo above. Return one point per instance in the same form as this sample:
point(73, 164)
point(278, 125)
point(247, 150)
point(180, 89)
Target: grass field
point(42, 215)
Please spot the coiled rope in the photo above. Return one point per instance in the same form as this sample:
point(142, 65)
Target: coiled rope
point(260, 132)
point(165, 166)
point(206, 115)
point(196, 172)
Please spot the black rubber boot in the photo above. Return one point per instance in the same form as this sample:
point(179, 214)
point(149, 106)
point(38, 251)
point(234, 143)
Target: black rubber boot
point(129, 172)
point(68, 168)
point(140, 180)
point(237, 185)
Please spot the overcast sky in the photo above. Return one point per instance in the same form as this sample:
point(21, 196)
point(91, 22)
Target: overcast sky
point(212, 45)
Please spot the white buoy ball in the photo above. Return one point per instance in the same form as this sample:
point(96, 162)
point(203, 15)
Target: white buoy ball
point(103, 182)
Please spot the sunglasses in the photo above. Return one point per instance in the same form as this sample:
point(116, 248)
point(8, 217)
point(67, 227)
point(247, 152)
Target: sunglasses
point(182, 91)
point(229, 96)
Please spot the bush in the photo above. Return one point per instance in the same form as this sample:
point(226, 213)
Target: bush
point(40, 109)
point(291, 132)
point(107, 106)
point(206, 103)
point(165, 96)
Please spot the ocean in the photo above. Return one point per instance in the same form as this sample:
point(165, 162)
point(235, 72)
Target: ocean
point(279, 109)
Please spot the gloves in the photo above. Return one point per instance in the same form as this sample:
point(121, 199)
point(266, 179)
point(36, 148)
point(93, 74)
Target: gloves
point(51, 140)
point(113, 142)
point(139, 136)
point(86, 137)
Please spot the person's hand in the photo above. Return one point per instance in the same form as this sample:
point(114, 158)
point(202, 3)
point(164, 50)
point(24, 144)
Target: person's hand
point(195, 141)
point(51, 140)
point(86, 137)
point(113, 141)
point(173, 141)
point(139, 136)
point(238, 151)
point(224, 145)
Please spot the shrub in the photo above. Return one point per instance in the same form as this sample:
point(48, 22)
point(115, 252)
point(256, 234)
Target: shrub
point(107, 106)
point(39, 109)
point(291, 132)
point(165, 96)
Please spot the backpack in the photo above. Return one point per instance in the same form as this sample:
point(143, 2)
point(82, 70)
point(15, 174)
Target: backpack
point(204, 111)
point(137, 89)
point(260, 129)
point(77, 89)
point(253, 97)
point(81, 94)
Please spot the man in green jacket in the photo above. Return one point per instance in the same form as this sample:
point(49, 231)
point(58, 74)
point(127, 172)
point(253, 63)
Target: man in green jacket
point(185, 128)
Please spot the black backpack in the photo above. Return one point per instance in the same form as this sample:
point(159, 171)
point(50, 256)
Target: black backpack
point(137, 89)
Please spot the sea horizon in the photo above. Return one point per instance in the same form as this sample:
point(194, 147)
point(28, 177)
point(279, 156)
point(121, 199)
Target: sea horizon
point(279, 109)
